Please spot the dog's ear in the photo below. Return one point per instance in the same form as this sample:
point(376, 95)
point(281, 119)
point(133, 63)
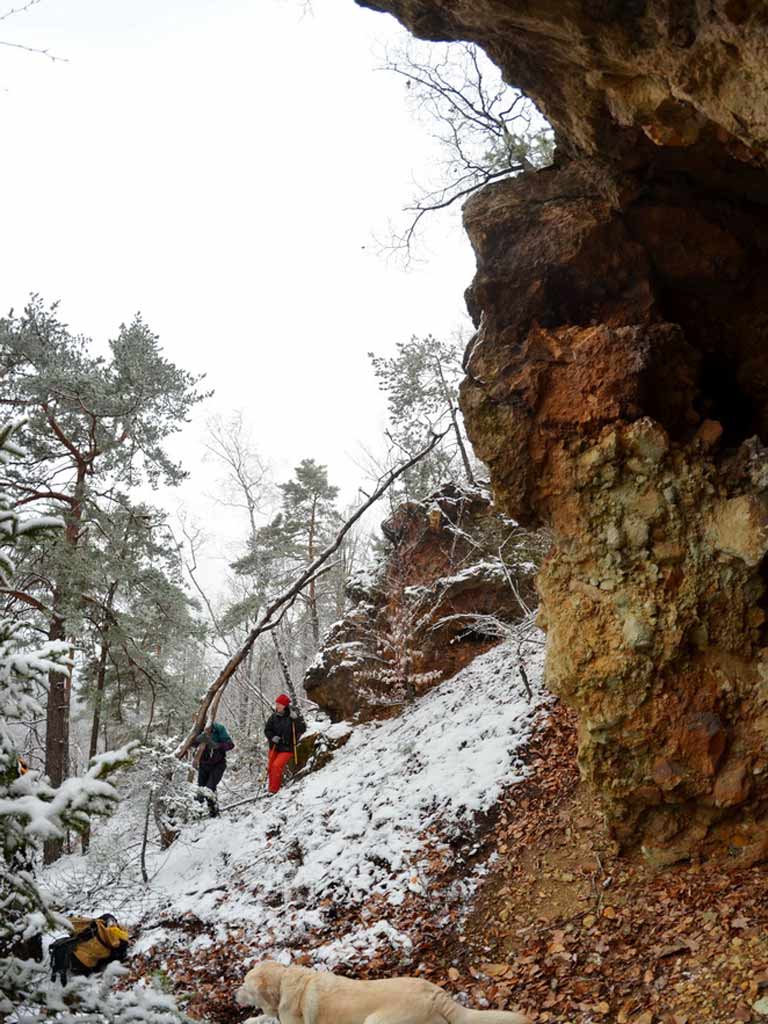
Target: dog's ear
point(245, 995)
point(270, 980)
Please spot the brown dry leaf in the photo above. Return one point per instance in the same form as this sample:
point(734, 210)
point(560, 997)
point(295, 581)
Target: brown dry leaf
point(675, 949)
point(609, 912)
point(495, 970)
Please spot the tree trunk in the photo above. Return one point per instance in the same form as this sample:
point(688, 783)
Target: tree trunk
point(57, 728)
point(95, 723)
point(459, 440)
point(98, 700)
point(285, 670)
point(311, 593)
point(59, 684)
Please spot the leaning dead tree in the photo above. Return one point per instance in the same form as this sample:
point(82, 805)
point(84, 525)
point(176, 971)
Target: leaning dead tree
point(272, 616)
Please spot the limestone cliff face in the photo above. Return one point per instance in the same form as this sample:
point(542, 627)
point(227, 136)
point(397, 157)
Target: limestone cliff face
point(420, 617)
point(617, 387)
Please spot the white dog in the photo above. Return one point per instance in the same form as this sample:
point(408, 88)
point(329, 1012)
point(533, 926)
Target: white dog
point(297, 995)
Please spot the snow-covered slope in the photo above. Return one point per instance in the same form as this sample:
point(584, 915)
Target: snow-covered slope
point(362, 825)
point(324, 867)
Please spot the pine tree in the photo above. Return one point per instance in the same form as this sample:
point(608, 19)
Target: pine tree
point(421, 385)
point(310, 516)
point(31, 811)
point(307, 520)
point(137, 617)
point(96, 423)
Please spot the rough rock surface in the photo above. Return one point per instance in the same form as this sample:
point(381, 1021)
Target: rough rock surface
point(617, 78)
point(617, 387)
point(421, 614)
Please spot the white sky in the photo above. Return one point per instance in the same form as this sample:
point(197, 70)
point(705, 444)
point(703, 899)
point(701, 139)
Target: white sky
point(223, 166)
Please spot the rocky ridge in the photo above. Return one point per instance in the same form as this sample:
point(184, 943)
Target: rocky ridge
point(617, 387)
point(454, 573)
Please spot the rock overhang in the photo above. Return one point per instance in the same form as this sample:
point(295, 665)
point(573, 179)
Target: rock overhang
point(617, 386)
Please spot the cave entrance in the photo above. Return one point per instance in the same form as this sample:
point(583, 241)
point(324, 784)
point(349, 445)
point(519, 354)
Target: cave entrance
point(722, 397)
point(709, 261)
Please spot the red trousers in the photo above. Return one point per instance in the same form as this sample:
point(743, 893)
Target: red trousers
point(275, 767)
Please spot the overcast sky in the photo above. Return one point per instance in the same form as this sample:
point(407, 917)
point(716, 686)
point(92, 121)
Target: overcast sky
point(224, 167)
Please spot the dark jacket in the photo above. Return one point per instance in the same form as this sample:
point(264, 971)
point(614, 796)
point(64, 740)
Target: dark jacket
point(216, 745)
point(280, 725)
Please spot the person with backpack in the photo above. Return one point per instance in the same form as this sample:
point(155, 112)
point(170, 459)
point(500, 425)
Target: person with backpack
point(283, 730)
point(216, 742)
point(95, 942)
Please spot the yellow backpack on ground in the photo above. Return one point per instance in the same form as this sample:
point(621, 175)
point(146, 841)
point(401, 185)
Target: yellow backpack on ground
point(95, 941)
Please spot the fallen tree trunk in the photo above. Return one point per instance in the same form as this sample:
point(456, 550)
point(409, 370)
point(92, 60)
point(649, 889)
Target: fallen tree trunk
point(210, 702)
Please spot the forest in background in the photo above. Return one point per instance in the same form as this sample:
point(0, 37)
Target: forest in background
point(110, 637)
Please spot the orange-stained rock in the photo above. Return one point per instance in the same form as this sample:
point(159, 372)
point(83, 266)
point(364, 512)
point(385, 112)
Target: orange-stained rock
point(733, 785)
point(702, 741)
point(422, 610)
point(609, 334)
point(709, 433)
point(617, 388)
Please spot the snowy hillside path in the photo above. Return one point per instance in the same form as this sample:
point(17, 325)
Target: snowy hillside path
point(363, 825)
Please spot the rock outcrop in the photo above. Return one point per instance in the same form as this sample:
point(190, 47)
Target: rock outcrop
point(623, 80)
point(439, 598)
point(617, 387)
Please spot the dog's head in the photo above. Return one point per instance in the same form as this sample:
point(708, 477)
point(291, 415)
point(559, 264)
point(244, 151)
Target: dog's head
point(261, 987)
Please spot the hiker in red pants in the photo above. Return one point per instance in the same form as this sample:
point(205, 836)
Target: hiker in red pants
point(283, 730)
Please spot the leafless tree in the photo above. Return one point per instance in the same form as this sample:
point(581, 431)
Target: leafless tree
point(486, 129)
point(247, 483)
point(20, 9)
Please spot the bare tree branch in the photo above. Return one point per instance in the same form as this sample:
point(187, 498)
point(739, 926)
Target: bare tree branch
point(34, 49)
point(486, 129)
point(19, 10)
point(267, 621)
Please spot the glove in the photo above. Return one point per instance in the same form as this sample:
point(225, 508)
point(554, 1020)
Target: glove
point(275, 740)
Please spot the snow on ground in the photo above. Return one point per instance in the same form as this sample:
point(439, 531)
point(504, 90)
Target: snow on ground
point(359, 828)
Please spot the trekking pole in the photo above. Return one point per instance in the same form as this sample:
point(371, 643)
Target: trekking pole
point(266, 772)
point(295, 750)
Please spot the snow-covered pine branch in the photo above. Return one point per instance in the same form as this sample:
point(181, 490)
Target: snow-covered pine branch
point(31, 811)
